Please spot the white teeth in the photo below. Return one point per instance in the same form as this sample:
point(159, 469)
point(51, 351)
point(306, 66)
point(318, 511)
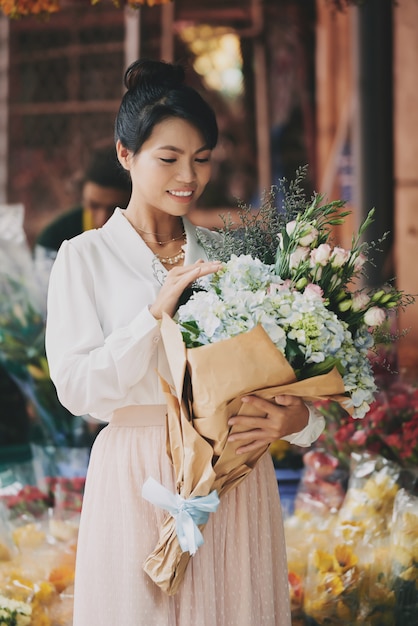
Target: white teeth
point(181, 194)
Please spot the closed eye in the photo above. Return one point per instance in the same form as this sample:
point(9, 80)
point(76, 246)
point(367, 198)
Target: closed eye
point(168, 160)
point(202, 160)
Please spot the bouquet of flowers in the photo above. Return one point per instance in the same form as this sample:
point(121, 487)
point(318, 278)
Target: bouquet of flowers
point(274, 320)
point(314, 340)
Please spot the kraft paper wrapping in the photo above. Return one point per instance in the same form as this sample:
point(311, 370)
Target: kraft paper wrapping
point(209, 382)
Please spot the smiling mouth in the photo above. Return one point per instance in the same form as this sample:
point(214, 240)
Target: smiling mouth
point(181, 194)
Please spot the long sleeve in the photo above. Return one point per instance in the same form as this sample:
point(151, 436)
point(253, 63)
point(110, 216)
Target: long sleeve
point(312, 430)
point(93, 371)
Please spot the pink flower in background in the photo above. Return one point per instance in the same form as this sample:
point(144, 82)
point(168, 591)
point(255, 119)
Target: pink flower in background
point(390, 428)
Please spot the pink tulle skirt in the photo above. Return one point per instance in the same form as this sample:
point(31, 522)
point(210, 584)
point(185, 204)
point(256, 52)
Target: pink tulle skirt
point(237, 578)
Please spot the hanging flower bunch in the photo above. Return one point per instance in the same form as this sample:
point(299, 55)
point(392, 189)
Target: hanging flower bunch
point(15, 9)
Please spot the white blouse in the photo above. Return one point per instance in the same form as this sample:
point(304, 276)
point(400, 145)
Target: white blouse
point(102, 343)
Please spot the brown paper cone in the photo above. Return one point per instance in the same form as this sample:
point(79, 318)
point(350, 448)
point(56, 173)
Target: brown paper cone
point(209, 382)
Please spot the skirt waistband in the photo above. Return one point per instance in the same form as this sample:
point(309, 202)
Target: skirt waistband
point(139, 415)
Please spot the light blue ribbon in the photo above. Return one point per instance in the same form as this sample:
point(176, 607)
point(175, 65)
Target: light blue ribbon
point(188, 513)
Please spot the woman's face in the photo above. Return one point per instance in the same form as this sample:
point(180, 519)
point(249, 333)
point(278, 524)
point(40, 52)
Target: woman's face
point(171, 170)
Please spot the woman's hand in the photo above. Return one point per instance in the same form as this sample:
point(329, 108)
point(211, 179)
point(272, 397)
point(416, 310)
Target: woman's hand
point(178, 279)
point(285, 416)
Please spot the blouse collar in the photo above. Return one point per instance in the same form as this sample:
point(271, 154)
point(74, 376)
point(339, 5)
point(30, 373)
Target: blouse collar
point(135, 250)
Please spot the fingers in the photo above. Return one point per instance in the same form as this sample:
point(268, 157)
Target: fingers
point(280, 417)
point(286, 400)
point(253, 446)
point(177, 280)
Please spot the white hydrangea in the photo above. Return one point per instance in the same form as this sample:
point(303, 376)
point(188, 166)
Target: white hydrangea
point(246, 292)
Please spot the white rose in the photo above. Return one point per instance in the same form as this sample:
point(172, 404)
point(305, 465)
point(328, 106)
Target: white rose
point(290, 227)
point(308, 237)
point(321, 254)
point(374, 316)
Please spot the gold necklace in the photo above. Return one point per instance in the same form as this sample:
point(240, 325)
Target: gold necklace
point(162, 243)
point(140, 231)
point(174, 258)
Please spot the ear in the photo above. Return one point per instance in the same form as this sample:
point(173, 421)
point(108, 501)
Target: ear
point(123, 155)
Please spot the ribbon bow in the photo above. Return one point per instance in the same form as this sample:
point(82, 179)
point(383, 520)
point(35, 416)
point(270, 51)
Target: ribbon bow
point(188, 513)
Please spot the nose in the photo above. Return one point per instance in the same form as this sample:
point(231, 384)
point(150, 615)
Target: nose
point(186, 172)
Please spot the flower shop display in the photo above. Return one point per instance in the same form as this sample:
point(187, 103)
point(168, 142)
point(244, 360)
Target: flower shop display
point(37, 575)
point(38, 535)
point(390, 428)
point(323, 484)
point(373, 485)
point(404, 558)
point(281, 316)
point(22, 336)
point(344, 562)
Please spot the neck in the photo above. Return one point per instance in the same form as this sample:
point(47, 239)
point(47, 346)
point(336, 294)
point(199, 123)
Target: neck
point(157, 233)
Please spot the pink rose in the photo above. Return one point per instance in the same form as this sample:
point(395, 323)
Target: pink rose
point(339, 257)
point(360, 301)
point(313, 291)
point(359, 261)
point(299, 255)
point(321, 254)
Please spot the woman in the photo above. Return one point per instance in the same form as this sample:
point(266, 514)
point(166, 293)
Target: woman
point(108, 290)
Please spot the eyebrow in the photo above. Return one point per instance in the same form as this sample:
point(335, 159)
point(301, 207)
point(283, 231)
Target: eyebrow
point(175, 149)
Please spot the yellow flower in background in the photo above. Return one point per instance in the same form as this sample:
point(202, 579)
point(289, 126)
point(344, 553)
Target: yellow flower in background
point(382, 490)
point(410, 574)
point(279, 449)
point(345, 557)
point(22, 8)
point(352, 531)
point(402, 556)
point(331, 585)
point(323, 561)
point(45, 593)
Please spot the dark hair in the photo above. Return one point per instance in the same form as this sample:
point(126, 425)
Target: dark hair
point(105, 170)
point(155, 92)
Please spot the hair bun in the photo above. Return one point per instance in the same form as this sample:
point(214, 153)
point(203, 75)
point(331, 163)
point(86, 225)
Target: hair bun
point(147, 73)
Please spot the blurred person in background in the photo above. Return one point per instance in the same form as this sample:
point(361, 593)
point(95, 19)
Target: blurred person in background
point(105, 186)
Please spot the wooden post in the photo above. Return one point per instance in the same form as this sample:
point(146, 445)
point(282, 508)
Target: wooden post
point(262, 117)
point(132, 41)
point(167, 32)
point(4, 111)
